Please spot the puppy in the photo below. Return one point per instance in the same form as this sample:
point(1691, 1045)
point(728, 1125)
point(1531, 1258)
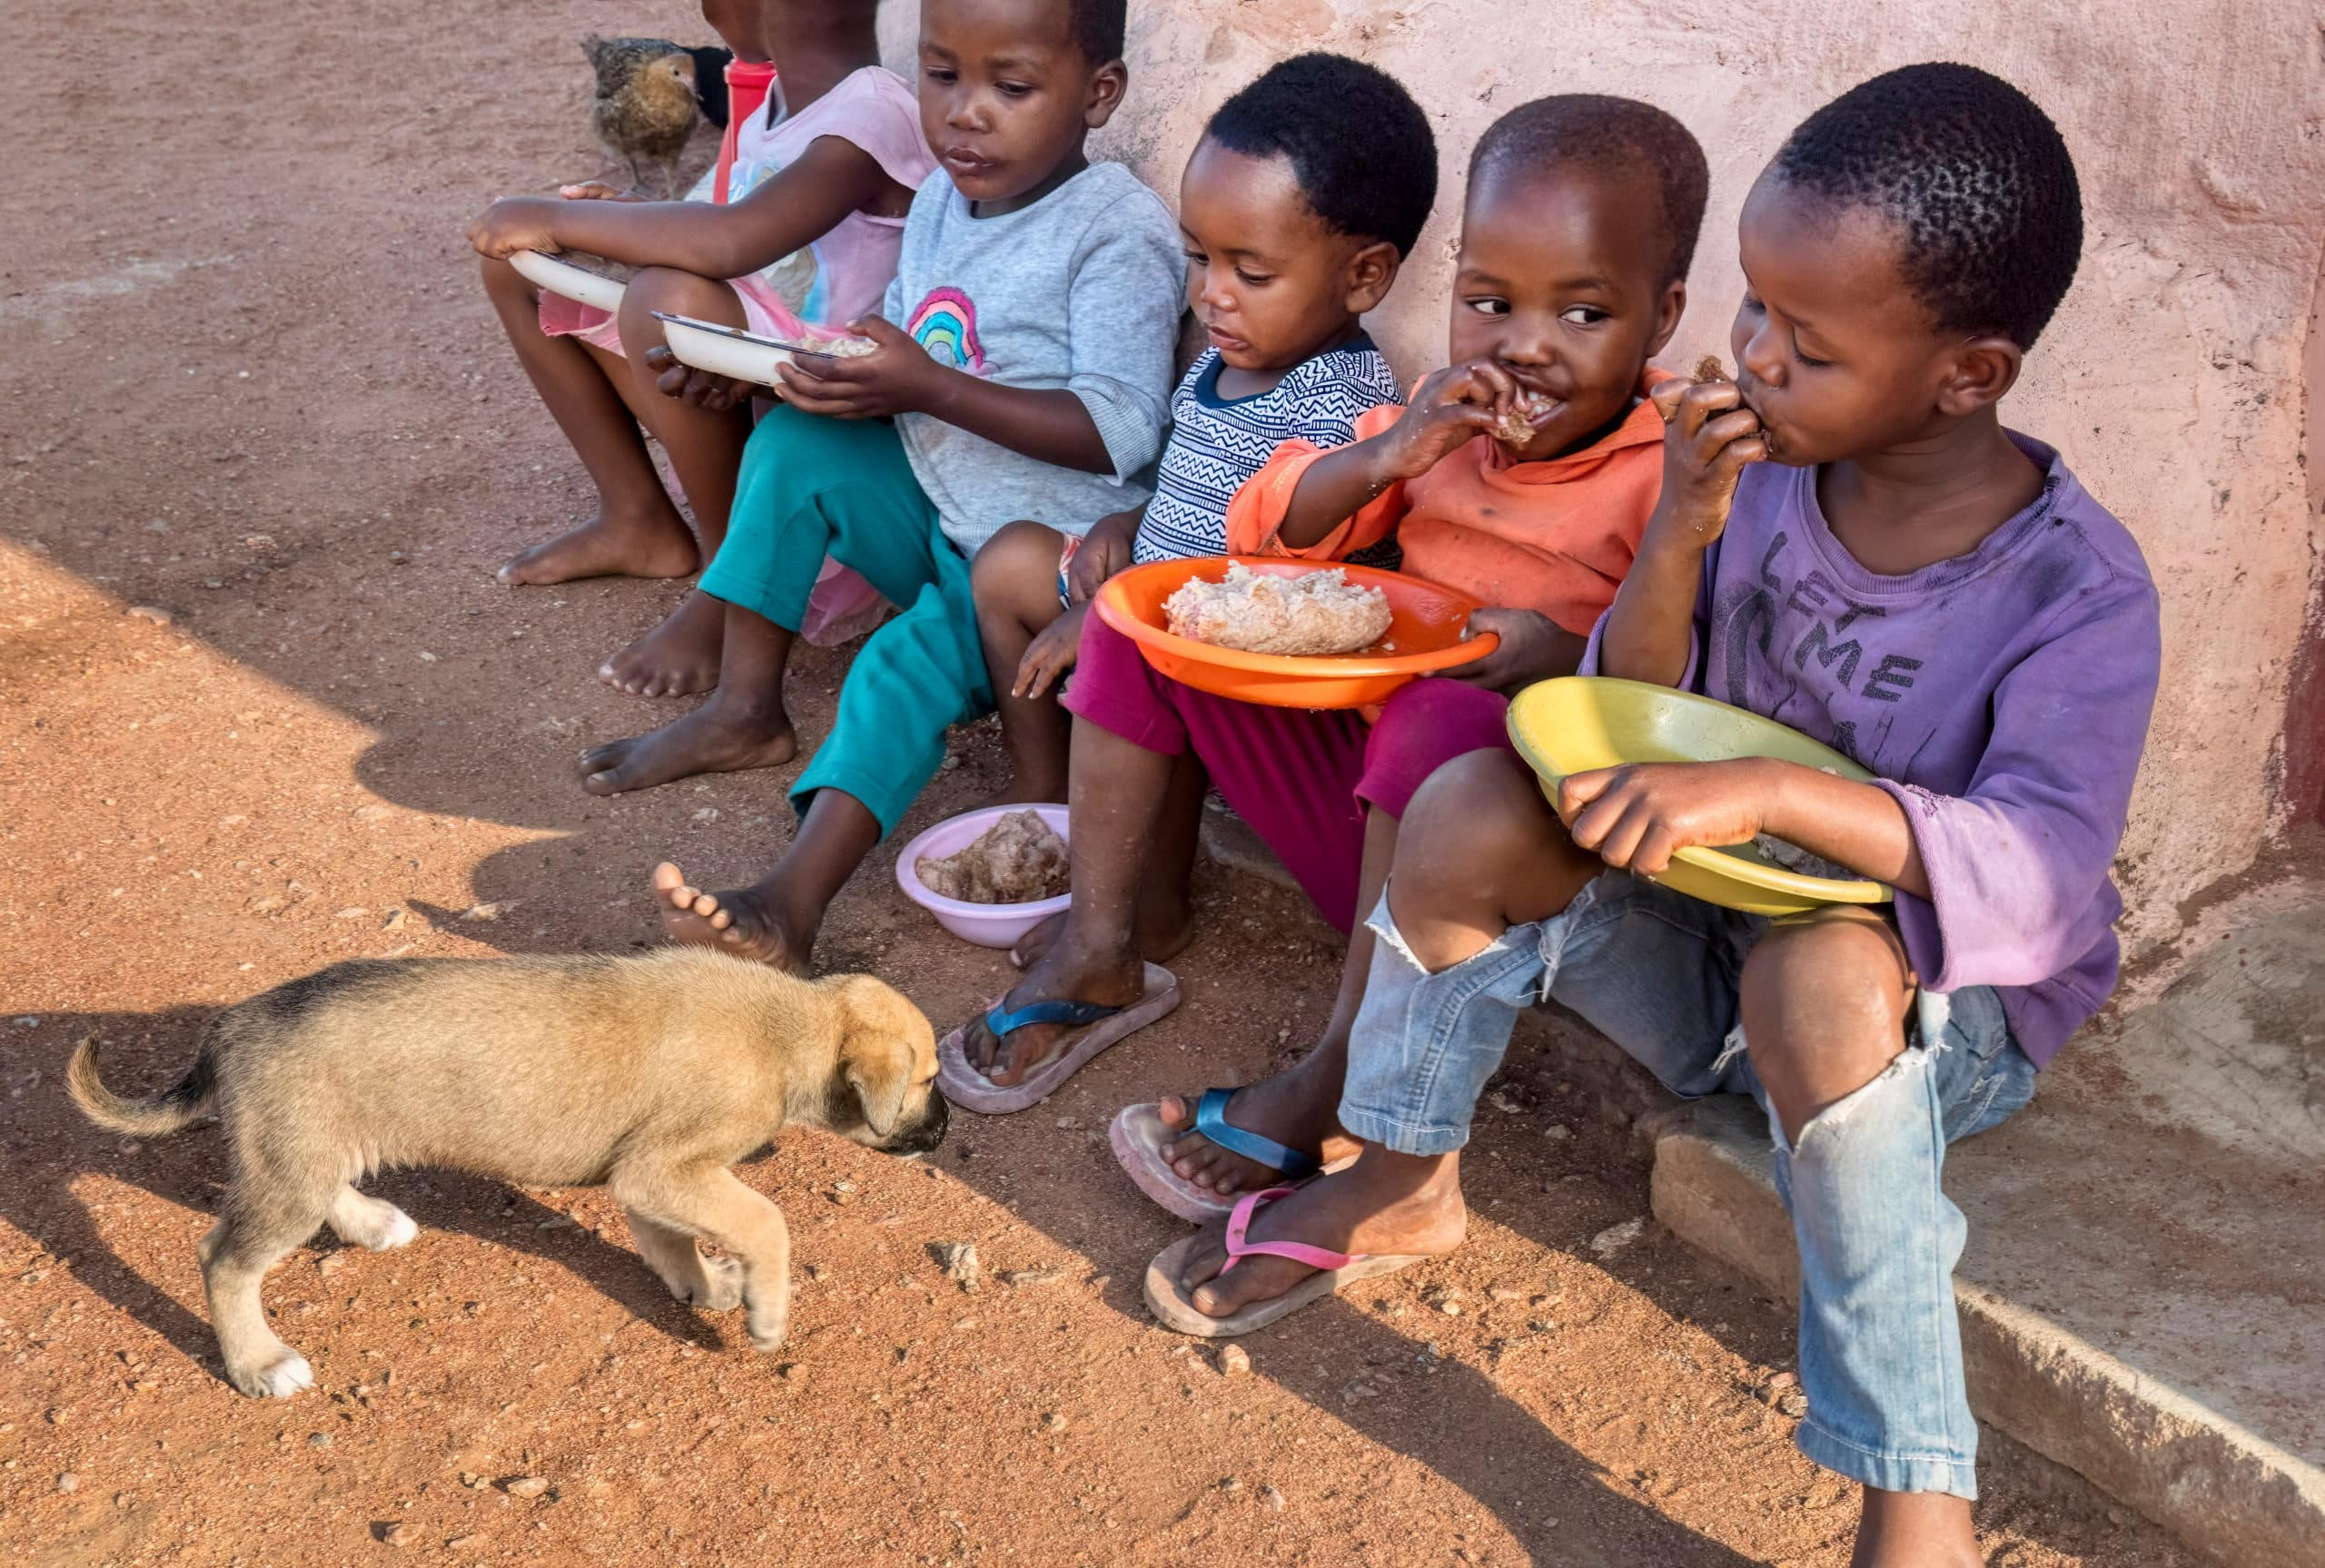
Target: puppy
point(649, 1074)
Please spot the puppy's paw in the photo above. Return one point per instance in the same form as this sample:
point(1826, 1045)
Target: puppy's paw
point(719, 1289)
point(280, 1378)
point(397, 1228)
point(768, 1328)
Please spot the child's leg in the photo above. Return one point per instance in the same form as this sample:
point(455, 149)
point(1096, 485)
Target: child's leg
point(1014, 579)
point(809, 487)
point(637, 531)
point(1479, 858)
point(917, 675)
point(680, 656)
point(1423, 726)
point(1131, 723)
point(1859, 1122)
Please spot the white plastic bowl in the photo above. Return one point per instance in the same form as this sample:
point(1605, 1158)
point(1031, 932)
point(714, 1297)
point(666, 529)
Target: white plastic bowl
point(724, 356)
point(565, 278)
point(985, 924)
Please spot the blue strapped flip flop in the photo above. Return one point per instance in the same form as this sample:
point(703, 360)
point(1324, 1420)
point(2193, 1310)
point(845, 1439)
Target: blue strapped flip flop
point(1100, 1027)
point(1139, 1133)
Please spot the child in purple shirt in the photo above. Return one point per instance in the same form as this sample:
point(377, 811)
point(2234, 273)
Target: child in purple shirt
point(1848, 541)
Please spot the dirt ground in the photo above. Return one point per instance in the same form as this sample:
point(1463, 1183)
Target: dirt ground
point(263, 707)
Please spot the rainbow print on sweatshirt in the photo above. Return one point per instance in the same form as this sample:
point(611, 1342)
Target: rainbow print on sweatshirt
point(946, 325)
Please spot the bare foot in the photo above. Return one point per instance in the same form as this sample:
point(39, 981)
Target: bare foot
point(677, 658)
point(1296, 1108)
point(652, 546)
point(1385, 1203)
point(1114, 980)
point(741, 922)
point(712, 739)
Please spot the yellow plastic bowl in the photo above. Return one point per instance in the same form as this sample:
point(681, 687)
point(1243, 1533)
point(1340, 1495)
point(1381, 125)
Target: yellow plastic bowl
point(1581, 723)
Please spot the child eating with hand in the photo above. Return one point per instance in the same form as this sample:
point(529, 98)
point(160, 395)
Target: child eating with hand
point(1024, 370)
point(1850, 542)
point(1297, 208)
point(807, 232)
point(1576, 231)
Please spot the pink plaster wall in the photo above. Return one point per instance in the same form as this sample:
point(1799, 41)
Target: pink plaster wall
point(2173, 378)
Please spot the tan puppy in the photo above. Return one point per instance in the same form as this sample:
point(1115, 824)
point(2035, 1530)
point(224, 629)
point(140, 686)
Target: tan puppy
point(650, 1075)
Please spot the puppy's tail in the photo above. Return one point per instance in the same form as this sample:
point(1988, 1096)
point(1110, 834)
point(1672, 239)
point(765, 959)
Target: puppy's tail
point(175, 1108)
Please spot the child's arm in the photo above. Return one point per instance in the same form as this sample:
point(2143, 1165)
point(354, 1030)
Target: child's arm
point(1122, 301)
point(823, 185)
point(1447, 411)
point(2004, 879)
point(1650, 631)
point(1049, 424)
point(1105, 550)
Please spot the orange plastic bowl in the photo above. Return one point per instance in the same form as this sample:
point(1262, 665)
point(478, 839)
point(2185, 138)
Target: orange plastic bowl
point(1424, 633)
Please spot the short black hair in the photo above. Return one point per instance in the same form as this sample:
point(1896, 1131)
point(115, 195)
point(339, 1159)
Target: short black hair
point(1976, 177)
point(1607, 135)
point(1098, 27)
point(1357, 144)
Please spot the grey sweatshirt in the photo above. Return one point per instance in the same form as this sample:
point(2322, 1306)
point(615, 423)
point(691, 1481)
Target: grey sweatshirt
point(1083, 290)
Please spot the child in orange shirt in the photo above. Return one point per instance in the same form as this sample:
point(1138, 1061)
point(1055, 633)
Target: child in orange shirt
point(1579, 225)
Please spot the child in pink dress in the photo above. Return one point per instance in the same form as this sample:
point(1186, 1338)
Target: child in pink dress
point(821, 175)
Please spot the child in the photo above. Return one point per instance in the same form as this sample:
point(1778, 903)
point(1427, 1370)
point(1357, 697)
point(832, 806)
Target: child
point(1029, 376)
point(808, 232)
point(1916, 586)
point(1576, 232)
point(1298, 206)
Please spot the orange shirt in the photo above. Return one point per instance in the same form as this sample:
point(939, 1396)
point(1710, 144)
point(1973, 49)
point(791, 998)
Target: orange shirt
point(1555, 537)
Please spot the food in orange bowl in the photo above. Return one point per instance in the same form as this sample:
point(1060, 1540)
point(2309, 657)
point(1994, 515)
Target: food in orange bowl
point(1427, 626)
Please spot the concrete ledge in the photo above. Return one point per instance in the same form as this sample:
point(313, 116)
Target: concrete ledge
point(2224, 1493)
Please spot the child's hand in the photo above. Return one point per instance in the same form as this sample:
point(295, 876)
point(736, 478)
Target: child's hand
point(1712, 436)
point(1052, 653)
point(514, 223)
point(1533, 647)
point(897, 377)
point(697, 389)
point(1640, 816)
point(1448, 409)
point(1105, 550)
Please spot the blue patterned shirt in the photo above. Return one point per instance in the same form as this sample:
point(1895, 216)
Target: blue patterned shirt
point(1218, 443)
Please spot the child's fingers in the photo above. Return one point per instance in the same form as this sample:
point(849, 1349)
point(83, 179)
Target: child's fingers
point(1703, 402)
point(1667, 396)
point(1580, 789)
point(1735, 425)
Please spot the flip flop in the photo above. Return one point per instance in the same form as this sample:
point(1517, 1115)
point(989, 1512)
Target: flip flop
point(970, 1089)
point(1175, 1309)
point(1139, 1133)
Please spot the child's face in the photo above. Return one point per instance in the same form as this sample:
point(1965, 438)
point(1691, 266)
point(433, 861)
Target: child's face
point(1834, 351)
point(1270, 281)
point(1561, 282)
point(1005, 94)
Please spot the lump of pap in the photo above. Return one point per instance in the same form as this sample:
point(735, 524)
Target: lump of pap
point(1517, 426)
point(1020, 858)
point(841, 346)
point(1313, 613)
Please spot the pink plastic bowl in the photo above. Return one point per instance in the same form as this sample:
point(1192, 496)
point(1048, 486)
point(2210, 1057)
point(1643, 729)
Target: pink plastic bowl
point(985, 924)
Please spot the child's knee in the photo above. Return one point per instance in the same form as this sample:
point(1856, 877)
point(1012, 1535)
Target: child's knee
point(1823, 1003)
point(676, 293)
point(1017, 567)
point(504, 285)
point(1481, 808)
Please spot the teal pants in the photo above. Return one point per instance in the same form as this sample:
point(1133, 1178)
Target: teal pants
point(812, 486)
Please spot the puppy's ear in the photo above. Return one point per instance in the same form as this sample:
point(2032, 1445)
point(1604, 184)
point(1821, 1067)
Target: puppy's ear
point(875, 1047)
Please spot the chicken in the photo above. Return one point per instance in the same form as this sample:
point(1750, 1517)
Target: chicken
point(644, 108)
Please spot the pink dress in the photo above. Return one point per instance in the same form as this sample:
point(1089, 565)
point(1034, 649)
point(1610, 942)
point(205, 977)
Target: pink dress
point(834, 279)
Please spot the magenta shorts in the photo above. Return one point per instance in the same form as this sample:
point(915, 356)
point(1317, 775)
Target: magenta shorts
point(1302, 779)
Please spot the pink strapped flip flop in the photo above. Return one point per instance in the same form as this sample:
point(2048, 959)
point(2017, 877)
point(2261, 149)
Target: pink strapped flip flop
point(1174, 1308)
point(1100, 1027)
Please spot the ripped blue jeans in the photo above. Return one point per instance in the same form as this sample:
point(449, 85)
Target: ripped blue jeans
point(1658, 972)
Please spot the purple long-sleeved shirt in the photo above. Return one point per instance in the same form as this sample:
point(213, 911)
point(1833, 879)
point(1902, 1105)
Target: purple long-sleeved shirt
point(2003, 697)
